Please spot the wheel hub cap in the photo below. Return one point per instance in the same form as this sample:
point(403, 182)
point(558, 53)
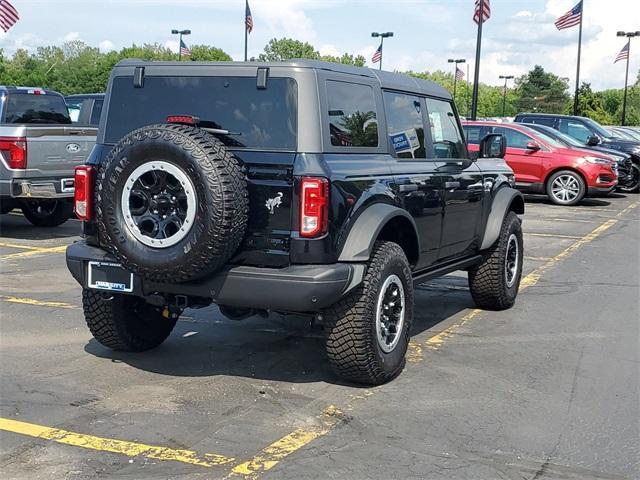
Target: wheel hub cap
point(390, 313)
point(159, 204)
point(511, 261)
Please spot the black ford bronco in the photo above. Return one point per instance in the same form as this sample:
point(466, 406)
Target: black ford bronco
point(302, 187)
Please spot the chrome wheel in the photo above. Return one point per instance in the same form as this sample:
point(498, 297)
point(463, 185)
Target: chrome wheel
point(159, 204)
point(565, 188)
point(390, 313)
point(511, 261)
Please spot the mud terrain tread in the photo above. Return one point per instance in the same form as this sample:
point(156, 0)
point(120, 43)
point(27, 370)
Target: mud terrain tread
point(486, 281)
point(225, 180)
point(348, 324)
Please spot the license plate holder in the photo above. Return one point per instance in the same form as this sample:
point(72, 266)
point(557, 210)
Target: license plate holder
point(109, 276)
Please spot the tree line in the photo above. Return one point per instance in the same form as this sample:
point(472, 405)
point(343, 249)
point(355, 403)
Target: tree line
point(75, 67)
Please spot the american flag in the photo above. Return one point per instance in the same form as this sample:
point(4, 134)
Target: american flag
point(248, 19)
point(377, 56)
point(624, 53)
point(570, 19)
point(459, 74)
point(486, 11)
point(184, 50)
point(8, 15)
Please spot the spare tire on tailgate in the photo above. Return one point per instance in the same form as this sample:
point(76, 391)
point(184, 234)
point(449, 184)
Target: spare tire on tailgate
point(171, 203)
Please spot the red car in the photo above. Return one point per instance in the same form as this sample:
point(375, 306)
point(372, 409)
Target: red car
point(544, 165)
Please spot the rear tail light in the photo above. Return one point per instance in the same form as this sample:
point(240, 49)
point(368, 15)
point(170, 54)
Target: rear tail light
point(83, 194)
point(314, 206)
point(15, 151)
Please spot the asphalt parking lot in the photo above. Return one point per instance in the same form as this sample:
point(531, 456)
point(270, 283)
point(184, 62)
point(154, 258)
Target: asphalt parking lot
point(548, 389)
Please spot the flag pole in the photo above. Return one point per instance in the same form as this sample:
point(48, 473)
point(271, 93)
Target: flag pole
point(575, 98)
point(246, 33)
point(626, 82)
point(467, 90)
point(476, 73)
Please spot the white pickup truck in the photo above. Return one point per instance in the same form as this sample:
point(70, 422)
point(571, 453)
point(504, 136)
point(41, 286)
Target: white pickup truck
point(39, 149)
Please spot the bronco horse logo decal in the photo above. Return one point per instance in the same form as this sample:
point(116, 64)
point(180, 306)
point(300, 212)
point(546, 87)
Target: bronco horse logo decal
point(273, 203)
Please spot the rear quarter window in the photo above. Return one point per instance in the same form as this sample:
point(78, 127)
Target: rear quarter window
point(40, 109)
point(259, 118)
point(353, 121)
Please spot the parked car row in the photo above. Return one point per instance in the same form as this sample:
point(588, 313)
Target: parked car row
point(43, 137)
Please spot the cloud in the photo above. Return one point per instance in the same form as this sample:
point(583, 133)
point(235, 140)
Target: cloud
point(71, 36)
point(106, 46)
point(172, 45)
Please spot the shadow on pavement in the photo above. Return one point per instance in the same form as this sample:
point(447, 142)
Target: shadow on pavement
point(586, 202)
point(282, 348)
point(13, 225)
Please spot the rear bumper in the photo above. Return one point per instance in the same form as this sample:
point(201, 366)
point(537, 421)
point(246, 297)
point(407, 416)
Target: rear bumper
point(57, 187)
point(297, 288)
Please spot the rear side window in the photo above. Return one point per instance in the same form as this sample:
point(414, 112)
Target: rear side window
point(41, 109)
point(514, 138)
point(447, 138)
point(353, 121)
point(75, 107)
point(404, 124)
point(574, 129)
point(538, 121)
point(256, 118)
point(474, 133)
point(96, 112)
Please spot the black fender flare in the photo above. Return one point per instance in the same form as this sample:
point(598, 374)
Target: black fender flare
point(504, 200)
point(365, 230)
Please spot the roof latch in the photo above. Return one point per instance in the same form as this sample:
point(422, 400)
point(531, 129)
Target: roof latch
point(261, 78)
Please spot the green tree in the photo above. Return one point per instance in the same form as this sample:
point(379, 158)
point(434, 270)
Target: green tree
point(346, 59)
point(205, 53)
point(591, 104)
point(278, 50)
point(541, 91)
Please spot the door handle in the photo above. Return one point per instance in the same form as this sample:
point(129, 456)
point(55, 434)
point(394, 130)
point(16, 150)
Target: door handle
point(408, 187)
point(451, 184)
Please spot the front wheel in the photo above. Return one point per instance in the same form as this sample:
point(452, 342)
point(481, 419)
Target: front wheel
point(566, 187)
point(123, 322)
point(494, 283)
point(368, 330)
point(46, 212)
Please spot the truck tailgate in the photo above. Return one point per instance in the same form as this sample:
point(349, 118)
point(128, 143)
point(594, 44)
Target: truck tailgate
point(54, 150)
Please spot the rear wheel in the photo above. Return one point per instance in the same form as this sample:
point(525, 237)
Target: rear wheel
point(633, 185)
point(124, 322)
point(368, 331)
point(566, 187)
point(47, 212)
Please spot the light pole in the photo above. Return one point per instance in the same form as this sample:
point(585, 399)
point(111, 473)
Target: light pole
point(382, 36)
point(504, 92)
point(455, 73)
point(629, 35)
point(180, 33)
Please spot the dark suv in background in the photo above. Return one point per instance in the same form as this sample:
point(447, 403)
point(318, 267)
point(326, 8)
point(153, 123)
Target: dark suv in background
point(85, 108)
point(590, 133)
point(307, 187)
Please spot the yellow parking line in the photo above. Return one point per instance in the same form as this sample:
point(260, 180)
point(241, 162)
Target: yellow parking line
point(130, 449)
point(15, 245)
point(35, 251)
point(32, 301)
point(269, 457)
point(553, 235)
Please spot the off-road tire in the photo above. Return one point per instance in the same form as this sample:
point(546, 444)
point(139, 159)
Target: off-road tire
point(48, 217)
point(488, 280)
point(124, 322)
point(635, 187)
point(582, 187)
point(221, 202)
point(350, 325)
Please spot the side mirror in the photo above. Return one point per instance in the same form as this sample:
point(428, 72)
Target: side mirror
point(533, 146)
point(593, 140)
point(493, 145)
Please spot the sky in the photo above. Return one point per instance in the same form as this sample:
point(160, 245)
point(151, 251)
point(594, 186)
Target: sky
point(519, 35)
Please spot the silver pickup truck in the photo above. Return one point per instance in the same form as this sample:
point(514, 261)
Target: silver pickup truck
point(39, 149)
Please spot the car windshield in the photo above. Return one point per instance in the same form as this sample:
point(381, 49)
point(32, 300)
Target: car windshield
point(597, 128)
point(36, 108)
point(564, 138)
point(547, 138)
point(260, 118)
